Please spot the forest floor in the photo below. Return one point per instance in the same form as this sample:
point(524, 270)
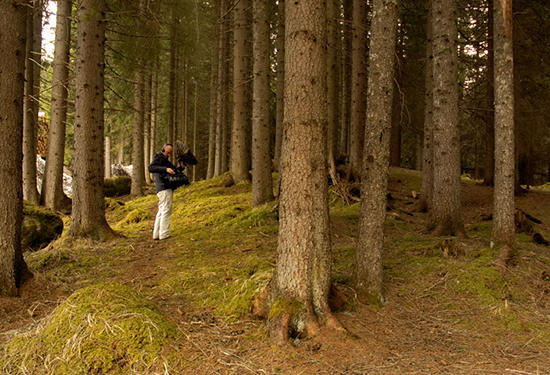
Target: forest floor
point(448, 310)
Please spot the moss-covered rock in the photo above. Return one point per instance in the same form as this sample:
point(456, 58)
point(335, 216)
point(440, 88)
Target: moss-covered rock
point(117, 186)
point(40, 226)
point(102, 329)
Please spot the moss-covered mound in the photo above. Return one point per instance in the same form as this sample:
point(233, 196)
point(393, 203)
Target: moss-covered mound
point(40, 226)
point(102, 329)
point(117, 186)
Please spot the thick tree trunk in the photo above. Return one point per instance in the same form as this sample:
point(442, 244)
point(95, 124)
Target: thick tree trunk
point(280, 84)
point(367, 271)
point(30, 192)
point(301, 281)
point(213, 96)
point(447, 212)
point(262, 182)
point(503, 216)
point(88, 215)
point(426, 198)
point(241, 160)
point(52, 185)
point(359, 86)
point(12, 49)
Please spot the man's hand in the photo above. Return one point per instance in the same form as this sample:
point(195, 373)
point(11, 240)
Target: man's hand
point(170, 170)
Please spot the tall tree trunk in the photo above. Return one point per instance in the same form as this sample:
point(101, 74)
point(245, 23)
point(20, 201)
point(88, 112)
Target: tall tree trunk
point(12, 48)
point(301, 281)
point(30, 192)
point(427, 196)
point(332, 87)
point(503, 233)
point(172, 82)
point(280, 83)
point(221, 101)
point(346, 77)
point(154, 111)
point(147, 126)
point(107, 167)
point(138, 175)
point(88, 215)
point(489, 178)
point(241, 161)
point(214, 78)
point(262, 182)
point(367, 271)
point(358, 86)
point(447, 212)
point(52, 185)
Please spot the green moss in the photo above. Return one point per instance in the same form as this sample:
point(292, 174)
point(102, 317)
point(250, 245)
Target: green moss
point(102, 329)
point(283, 306)
point(117, 186)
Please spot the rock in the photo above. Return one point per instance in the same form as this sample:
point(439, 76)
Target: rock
point(118, 170)
point(40, 227)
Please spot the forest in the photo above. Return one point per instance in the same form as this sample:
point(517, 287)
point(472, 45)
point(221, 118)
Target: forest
point(370, 195)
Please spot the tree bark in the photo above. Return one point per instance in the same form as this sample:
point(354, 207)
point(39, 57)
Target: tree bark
point(503, 233)
point(12, 48)
point(262, 182)
point(30, 192)
point(52, 185)
point(214, 95)
point(346, 78)
point(88, 215)
point(358, 86)
point(301, 281)
point(447, 213)
point(332, 87)
point(367, 271)
point(489, 177)
point(241, 159)
point(426, 198)
point(138, 171)
point(280, 84)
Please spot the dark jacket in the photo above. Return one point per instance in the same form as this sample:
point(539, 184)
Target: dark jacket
point(158, 166)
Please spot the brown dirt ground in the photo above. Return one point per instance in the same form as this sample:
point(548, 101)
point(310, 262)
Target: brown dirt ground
point(411, 334)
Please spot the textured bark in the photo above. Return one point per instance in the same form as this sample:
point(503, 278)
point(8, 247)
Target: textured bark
point(346, 78)
point(262, 182)
point(12, 49)
point(301, 281)
point(447, 213)
point(138, 174)
point(213, 96)
point(503, 216)
point(147, 126)
point(220, 165)
point(426, 198)
point(367, 271)
point(280, 84)
point(332, 88)
point(52, 185)
point(30, 192)
point(88, 214)
point(241, 161)
point(489, 178)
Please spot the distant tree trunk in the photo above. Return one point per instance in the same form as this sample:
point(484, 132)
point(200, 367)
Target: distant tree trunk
point(489, 178)
point(172, 83)
point(346, 77)
point(367, 271)
point(503, 217)
point(301, 281)
point(221, 112)
point(359, 86)
point(280, 84)
point(154, 111)
point(262, 182)
point(427, 195)
point(88, 215)
point(332, 87)
point(147, 126)
point(241, 160)
point(395, 137)
point(138, 174)
point(107, 168)
point(447, 210)
point(30, 192)
point(52, 185)
point(213, 95)
point(12, 49)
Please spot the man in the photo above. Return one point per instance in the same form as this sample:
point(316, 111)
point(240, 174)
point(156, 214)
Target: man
point(159, 166)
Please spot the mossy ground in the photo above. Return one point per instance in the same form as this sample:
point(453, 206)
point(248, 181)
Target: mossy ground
point(449, 310)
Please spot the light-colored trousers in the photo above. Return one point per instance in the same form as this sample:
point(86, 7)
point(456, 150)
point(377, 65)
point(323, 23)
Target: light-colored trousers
point(162, 221)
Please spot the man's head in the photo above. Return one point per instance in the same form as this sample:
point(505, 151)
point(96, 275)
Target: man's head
point(167, 150)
